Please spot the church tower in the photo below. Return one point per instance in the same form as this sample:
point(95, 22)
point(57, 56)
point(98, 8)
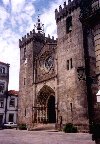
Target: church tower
point(37, 100)
point(76, 93)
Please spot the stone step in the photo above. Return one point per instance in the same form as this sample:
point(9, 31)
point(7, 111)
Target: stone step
point(38, 127)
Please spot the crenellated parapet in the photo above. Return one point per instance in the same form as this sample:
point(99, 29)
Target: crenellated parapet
point(50, 40)
point(67, 9)
point(30, 37)
point(33, 36)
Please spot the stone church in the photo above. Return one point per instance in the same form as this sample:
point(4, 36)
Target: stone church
point(59, 78)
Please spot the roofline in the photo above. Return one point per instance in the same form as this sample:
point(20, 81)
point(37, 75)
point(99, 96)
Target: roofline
point(4, 63)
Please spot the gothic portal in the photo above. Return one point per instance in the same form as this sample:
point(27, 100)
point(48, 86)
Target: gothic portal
point(45, 106)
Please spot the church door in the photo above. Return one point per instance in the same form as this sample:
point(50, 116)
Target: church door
point(51, 110)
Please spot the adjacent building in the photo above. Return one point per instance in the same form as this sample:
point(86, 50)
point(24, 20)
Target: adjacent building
point(4, 80)
point(59, 78)
point(12, 106)
point(8, 99)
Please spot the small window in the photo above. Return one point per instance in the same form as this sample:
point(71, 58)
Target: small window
point(71, 107)
point(71, 64)
point(25, 111)
point(2, 70)
point(11, 117)
point(1, 103)
point(2, 86)
point(24, 53)
point(67, 64)
point(69, 24)
point(24, 81)
point(12, 102)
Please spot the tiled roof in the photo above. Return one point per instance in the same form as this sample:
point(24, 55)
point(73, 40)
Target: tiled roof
point(13, 92)
point(4, 63)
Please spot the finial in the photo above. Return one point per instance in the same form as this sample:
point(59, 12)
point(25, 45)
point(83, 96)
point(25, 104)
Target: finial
point(69, 1)
point(33, 31)
point(39, 26)
point(52, 37)
point(60, 8)
point(65, 4)
point(48, 36)
point(56, 11)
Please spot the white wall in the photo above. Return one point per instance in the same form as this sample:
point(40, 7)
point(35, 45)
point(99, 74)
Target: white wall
point(12, 110)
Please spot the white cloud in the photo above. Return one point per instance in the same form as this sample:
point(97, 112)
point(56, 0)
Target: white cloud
point(6, 2)
point(29, 9)
point(17, 5)
point(13, 25)
point(48, 18)
point(9, 53)
point(3, 17)
point(16, 22)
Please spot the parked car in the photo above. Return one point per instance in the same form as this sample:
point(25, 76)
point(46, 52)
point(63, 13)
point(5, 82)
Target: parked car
point(10, 125)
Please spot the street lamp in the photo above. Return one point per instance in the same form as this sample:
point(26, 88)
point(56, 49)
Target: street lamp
point(98, 96)
point(81, 73)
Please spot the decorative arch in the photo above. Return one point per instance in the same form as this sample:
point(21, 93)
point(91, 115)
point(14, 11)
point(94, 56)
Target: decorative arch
point(44, 94)
point(46, 105)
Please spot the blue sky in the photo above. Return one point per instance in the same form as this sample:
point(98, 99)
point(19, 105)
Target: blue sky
point(17, 17)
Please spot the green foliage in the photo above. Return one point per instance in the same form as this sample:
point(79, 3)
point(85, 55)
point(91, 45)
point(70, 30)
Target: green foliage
point(70, 128)
point(95, 129)
point(22, 126)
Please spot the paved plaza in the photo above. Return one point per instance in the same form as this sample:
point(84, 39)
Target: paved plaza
point(12, 136)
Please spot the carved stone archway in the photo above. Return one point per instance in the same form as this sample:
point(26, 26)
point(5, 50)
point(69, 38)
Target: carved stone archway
point(45, 106)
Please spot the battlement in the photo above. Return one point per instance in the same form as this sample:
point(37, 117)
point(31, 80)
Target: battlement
point(50, 40)
point(28, 38)
point(67, 9)
point(33, 36)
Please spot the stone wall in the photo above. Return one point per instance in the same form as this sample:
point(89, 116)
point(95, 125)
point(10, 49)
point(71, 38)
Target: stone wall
point(71, 100)
point(97, 50)
point(26, 81)
point(29, 77)
point(73, 105)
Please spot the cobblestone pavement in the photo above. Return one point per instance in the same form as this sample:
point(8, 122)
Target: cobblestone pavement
point(12, 136)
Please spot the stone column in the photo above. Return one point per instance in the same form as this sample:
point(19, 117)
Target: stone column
point(97, 51)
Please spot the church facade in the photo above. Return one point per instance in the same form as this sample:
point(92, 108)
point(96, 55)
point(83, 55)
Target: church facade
point(59, 78)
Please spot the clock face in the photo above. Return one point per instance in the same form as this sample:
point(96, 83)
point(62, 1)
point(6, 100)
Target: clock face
point(49, 61)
